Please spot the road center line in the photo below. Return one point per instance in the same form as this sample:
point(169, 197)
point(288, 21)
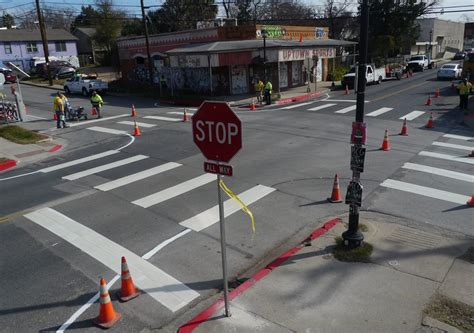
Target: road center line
point(461, 159)
point(426, 191)
point(168, 291)
point(440, 172)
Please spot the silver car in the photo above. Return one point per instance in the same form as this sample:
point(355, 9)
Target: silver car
point(449, 71)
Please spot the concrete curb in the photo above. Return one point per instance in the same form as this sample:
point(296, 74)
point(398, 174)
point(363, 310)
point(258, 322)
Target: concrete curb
point(7, 165)
point(191, 325)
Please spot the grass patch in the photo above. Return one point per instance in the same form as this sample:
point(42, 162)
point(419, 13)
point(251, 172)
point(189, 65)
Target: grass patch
point(358, 254)
point(451, 312)
point(41, 80)
point(363, 227)
point(20, 135)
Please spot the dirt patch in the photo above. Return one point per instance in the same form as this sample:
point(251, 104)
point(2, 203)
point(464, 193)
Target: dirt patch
point(451, 312)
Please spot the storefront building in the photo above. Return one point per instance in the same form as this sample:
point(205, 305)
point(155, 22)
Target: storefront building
point(226, 60)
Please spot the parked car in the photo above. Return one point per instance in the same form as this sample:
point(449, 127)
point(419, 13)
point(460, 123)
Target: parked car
point(40, 69)
point(372, 75)
point(459, 56)
point(418, 63)
point(64, 72)
point(449, 71)
point(84, 85)
point(9, 75)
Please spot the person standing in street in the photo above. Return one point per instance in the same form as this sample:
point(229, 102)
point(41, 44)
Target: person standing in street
point(58, 106)
point(464, 88)
point(97, 103)
point(259, 90)
point(268, 92)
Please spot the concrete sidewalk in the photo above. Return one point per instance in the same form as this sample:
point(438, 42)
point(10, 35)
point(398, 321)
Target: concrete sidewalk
point(308, 290)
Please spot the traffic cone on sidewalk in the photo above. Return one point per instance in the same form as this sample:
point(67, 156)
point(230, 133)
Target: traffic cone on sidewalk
point(428, 101)
point(134, 112)
point(252, 106)
point(470, 202)
point(128, 290)
point(336, 191)
point(94, 111)
point(185, 116)
point(429, 124)
point(346, 92)
point(136, 130)
point(437, 93)
point(107, 315)
point(385, 143)
point(404, 130)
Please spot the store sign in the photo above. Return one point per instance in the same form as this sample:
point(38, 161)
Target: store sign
point(302, 54)
point(321, 33)
point(273, 31)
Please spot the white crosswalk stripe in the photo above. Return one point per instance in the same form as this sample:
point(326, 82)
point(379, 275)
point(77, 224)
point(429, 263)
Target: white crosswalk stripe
point(454, 146)
point(161, 286)
point(426, 191)
point(324, 106)
point(88, 122)
point(211, 216)
point(181, 113)
point(296, 106)
point(163, 118)
point(346, 110)
point(141, 124)
point(137, 176)
point(378, 112)
point(412, 115)
point(79, 161)
point(174, 191)
point(439, 172)
point(104, 167)
point(459, 137)
point(106, 130)
point(461, 159)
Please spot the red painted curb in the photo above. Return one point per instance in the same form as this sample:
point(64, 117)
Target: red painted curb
point(191, 325)
point(298, 98)
point(7, 164)
point(55, 148)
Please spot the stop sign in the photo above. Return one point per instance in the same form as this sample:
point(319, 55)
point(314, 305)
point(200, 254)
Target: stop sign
point(217, 131)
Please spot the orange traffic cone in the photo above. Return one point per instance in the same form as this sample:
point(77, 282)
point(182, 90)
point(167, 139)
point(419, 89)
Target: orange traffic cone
point(428, 101)
point(470, 202)
point(136, 129)
point(346, 92)
point(107, 316)
point(94, 111)
point(134, 112)
point(252, 106)
point(437, 93)
point(128, 290)
point(336, 191)
point(404, 128)
point(386, 143)
point(55, 116)
point(429, 124)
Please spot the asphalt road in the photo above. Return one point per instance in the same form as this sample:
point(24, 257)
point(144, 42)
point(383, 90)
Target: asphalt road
point(68, 225)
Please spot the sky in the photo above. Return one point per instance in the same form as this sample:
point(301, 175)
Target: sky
point(133, 6)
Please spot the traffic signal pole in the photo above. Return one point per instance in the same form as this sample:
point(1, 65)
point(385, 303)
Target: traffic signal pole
point(352, 237)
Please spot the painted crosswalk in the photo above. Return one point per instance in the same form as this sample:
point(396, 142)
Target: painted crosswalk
point(106, 130)
point(139, 123)
point(347, 109)
point(439, 172)
point(163, 118)
point(79, 161)
point(379, 112)
point(320, 107)
point(294, 106)
point(459, 137)
point(412, 115)
point(462, 159)
point(181, 113)
point(453, 146)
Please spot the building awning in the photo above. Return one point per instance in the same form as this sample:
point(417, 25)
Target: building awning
point(253, 45)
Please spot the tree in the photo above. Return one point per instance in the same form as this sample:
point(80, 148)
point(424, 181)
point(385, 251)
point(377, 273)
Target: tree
point(133, 27)
point(87, 18)
point(7, 20)
point(338, 18)
point(393, 28)
point(279, 12)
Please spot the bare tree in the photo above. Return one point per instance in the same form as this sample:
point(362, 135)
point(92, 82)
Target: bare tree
point(337, 16)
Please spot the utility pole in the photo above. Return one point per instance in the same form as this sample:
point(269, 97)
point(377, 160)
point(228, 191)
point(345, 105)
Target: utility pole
point(145, 25)
point(45, 41)
point(352, 237)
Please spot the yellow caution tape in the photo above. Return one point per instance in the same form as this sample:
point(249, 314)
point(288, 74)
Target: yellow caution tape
point(244, 207)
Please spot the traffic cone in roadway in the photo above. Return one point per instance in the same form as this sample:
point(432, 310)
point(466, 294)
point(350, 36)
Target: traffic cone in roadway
point(185, 116)
point(385, 143)
point(94, 111)
point(429, 124)
point(470, 202)
point(437, 93)
point(128, 290)
point(134, 112)
point(336, 191)
point(107, 315)
point(404, 130)
point(136, 130)
point(252, 106)
point(428, 101)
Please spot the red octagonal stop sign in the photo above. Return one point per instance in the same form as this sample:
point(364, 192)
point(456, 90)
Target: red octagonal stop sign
point(217, 131)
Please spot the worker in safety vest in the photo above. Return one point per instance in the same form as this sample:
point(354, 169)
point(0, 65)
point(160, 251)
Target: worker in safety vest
point(268, 92)
point(259, 90)
point(58, 106)
point(97, 103)
point(464, 88)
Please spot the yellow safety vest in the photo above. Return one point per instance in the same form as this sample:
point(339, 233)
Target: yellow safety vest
point(464, 89)
point(58, 104)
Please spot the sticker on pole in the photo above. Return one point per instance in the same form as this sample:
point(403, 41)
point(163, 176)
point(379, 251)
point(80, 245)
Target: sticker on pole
point(357, 158)
point(217, 131)
point(354, 194)
point(359, 133)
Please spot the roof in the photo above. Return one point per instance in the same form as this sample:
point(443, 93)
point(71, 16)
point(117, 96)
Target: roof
point(23, 35)
point(87, 31)
point(252, 44)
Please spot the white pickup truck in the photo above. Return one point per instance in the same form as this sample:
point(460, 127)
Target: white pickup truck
point(418, 62)
point(84, 85)
point(372, 75)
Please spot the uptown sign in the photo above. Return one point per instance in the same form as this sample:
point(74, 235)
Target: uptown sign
point(302, 54)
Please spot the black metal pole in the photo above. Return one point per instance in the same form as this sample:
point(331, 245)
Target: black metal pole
point(45, 42)
point(353, 237)
point(265, 58)
point(147, 43)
